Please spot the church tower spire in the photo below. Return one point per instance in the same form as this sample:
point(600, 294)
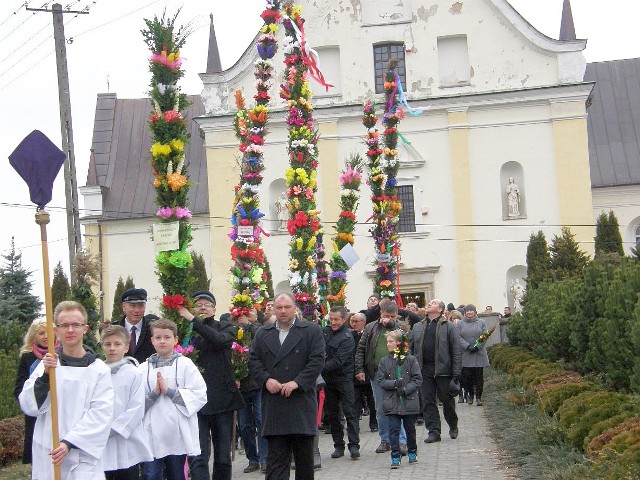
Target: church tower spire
point(213, 58)
point(567, 29)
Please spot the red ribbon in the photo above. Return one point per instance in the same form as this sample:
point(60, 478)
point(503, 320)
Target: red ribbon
point(314, 70)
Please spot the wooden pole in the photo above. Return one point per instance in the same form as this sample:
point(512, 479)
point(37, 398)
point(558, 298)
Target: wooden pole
point(233, 435)
point(42, 219)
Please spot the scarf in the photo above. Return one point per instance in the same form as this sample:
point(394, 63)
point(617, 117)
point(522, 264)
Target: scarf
point(38, 351)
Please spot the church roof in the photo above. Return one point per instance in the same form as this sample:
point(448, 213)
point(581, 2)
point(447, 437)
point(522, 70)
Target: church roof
point(614, 122)
point(120, 160)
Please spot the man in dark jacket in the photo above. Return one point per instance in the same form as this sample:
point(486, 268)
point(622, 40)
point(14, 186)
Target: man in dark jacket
point(338, 376)
point(436, 345)
point(250, 416)
point(215, 419)
point(362, 388)
point(286, 358)
point(134, 302)
point(370, 350)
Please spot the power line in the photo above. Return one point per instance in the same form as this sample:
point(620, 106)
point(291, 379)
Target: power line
point(84, 10)
point(15, 11)
point(114, 20)
point(135, 215)
point(24, 44)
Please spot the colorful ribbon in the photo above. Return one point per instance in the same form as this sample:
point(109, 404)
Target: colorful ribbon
point(310, 56)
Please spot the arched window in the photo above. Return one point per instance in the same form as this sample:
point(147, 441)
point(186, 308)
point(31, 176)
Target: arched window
point(637, 236)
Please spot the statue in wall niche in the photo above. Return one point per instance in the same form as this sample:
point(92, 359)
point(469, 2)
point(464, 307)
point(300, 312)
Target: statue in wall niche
point(283, 211)
point(517, 291)
point(513, 198)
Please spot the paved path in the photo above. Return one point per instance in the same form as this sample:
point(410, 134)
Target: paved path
point(473, 456)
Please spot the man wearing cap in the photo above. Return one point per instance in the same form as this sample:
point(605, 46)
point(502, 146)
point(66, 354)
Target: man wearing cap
point(215, 419)
point(134, 302)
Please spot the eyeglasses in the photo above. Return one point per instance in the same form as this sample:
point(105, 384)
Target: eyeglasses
point(205, 305)
point(73, 326)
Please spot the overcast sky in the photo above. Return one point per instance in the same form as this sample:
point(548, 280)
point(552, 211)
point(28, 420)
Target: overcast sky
point(106, 54)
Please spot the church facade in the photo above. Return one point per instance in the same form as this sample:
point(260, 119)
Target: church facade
point(500, 152)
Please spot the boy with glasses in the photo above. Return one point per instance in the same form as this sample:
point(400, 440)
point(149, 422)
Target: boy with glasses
point(85, 402)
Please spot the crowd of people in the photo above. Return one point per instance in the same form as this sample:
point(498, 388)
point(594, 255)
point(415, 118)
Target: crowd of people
point(147, 411)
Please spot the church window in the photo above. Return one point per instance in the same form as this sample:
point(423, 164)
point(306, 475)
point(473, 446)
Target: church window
point(382, 54)
point(453, 61)
point(407, 222)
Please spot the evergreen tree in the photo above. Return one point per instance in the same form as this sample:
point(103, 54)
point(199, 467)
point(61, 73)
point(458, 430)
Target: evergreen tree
point(267, 272)
point(129, 283)
point(199, 273)
point(87, 275)
point(538, 260)
point(16, 301)
point(116, 311)
point(567, 260)
point(60, 289)
point(608, 238)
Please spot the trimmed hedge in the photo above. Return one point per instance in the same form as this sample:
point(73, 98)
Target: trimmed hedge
point(604, 424)
point(552, 398)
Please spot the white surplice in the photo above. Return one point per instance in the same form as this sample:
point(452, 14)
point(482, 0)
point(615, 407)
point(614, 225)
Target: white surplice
point(128, 443)
point(85, 412)
point(172, 428)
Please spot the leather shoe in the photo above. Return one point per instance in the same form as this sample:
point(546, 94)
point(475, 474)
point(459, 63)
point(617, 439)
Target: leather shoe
point(453, 432)
point(432, 438)
point(252, 467)
point(383, 447)
point(337, 453)
point(355, 452)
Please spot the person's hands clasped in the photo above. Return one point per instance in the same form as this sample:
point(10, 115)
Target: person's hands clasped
point(58, 454)
point(161, 385)
point(288, 388)
point(273, 386)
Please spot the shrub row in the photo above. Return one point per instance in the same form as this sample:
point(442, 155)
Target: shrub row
point(591, 322)
point(606, 425)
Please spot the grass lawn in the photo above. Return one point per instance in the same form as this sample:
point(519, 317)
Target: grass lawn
point(15, 471)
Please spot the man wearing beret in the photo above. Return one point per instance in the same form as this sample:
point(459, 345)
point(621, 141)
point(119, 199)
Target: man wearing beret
point(215, 419)
point(134, 302)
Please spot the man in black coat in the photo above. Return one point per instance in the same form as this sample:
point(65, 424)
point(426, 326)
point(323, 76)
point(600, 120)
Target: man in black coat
point(215, 419)
point(362, 388)
point(338, 375)
point(134, 302)
point(286, 358)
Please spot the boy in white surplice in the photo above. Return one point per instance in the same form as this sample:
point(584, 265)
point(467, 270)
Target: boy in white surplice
point(85, 402)
point(128, 444)
point(175, 392)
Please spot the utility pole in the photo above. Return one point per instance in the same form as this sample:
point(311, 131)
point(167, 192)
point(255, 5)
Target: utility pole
point(70, 181)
